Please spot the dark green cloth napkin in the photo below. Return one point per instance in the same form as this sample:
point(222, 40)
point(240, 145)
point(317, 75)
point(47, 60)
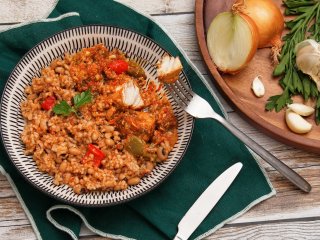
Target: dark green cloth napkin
point(156, 214)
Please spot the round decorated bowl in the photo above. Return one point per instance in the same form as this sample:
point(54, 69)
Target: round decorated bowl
point(140, 48)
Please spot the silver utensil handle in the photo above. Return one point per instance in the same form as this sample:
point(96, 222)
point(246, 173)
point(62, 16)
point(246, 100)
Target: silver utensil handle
point(177, 238)
point(282, 168)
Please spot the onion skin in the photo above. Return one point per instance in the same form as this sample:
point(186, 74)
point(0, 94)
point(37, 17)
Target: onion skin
point(270, 27)
point(213, 8)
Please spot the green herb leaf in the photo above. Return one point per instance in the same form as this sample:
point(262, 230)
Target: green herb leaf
point(314, 90)
point(306, 87)
point(271, 104)
point(297, 82)
point(63, 108)
point(278, 102)
point(290, 24)
point(281, 67)
point(318, 111)
point(283, 101)
point(82, 98)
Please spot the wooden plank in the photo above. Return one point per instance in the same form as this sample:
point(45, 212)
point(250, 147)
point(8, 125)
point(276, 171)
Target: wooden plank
point(278, 230)
point(289, 203)
point(15, 222)
point(5, 188)
point(282, 230)
point(17, 232)
point(161, 6)
point(13, 11)
point(28, 10)
point(11, 210)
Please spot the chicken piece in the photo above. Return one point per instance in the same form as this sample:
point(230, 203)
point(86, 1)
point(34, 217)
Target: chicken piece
point(169, 69)
point(128, 95)
point(166, 119)
point(141, 124)
point(131, 96)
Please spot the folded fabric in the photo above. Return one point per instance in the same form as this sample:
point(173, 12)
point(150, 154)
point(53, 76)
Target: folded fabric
point(155, 215)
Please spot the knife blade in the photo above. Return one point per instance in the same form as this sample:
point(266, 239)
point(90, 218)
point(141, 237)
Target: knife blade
point(207, 200)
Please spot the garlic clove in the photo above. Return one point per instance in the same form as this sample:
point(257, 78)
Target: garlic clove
point(301, 109)
point(296, 123)
point(258, 87)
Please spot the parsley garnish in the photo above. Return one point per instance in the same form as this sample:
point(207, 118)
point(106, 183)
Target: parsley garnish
point(82, 98)
point(294, 82)
point(64, 109)
point(278, 102)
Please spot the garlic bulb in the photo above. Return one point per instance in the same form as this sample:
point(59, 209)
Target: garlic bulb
point(310, 43)
point(308, 59)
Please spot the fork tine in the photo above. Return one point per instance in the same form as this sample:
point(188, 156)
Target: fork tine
point(181, 93)
point(185, 86)
point(184, 92)
point(176, 96)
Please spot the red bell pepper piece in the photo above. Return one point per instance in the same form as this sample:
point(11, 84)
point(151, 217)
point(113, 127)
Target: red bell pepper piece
point(119, 66)
point(98, 155)
point(48, 103)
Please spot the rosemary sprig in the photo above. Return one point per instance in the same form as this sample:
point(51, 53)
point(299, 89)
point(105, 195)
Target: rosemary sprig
point(306, 24)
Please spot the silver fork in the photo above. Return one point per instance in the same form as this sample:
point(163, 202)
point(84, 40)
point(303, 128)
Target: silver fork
point(197, 107)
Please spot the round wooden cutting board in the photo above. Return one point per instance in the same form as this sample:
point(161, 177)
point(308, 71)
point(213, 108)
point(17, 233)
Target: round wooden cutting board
point(237, 88)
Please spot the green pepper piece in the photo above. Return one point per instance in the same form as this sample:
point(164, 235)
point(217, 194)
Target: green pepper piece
point(135, 69)
point(135, 146)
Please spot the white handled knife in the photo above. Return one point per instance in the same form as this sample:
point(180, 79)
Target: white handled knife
point(208, 199)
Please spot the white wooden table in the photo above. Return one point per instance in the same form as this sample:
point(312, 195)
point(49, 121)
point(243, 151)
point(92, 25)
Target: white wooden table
point(290, 215)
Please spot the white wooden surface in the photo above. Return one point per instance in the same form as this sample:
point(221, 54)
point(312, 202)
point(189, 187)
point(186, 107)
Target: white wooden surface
point(290, 215)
